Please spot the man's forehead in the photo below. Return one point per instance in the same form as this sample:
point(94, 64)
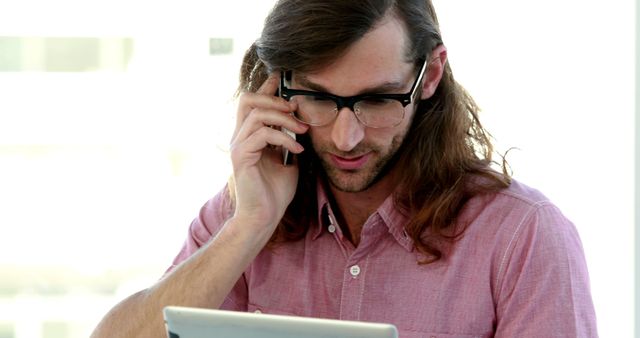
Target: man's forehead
point(354, 82)
point(377, 60)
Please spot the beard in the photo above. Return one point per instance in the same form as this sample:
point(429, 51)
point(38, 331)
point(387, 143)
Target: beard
point(377, 167)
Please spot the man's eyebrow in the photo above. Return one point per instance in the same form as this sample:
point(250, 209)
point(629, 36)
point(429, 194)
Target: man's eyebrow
point(387, 87)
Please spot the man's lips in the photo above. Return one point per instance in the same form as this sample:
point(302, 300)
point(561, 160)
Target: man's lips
point(349, 163)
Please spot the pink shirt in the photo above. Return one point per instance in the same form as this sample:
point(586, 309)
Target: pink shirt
point(519, 271)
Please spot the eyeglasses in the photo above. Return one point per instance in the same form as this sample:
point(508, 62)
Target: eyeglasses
point(372, 110)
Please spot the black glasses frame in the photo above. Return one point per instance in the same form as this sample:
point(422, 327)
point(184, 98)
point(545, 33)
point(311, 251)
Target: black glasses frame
point(350, 101)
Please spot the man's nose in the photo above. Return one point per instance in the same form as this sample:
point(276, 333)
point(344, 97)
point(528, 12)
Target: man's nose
point(347, 130)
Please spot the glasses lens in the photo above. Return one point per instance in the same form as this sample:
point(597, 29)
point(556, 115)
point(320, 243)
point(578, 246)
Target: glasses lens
point(379, 112)
point(372, 112)
point(314, 110)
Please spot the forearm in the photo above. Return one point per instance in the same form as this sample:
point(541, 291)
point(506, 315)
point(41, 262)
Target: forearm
point(203, 280)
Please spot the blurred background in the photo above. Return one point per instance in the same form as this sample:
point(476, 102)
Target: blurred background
point(115, 119)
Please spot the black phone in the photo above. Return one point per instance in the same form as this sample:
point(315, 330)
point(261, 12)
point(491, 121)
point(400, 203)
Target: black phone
point(287, 157)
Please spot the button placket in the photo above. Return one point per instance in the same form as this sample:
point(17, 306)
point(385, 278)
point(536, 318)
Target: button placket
point(353, 289)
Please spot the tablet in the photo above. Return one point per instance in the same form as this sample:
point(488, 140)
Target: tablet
point(184, 322)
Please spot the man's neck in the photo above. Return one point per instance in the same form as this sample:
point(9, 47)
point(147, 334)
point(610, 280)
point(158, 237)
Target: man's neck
point(354, 208)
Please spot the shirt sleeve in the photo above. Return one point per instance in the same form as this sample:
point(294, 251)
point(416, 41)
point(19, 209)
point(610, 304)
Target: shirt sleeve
point(210, 220)
point(543, 283)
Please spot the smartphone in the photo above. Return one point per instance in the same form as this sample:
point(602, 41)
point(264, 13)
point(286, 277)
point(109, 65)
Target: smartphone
point(287, 157)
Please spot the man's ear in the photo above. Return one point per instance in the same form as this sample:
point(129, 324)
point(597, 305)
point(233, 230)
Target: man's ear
point(435, 69)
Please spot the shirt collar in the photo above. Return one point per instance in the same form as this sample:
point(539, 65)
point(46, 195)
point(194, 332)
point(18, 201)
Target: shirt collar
point(394, 218)
point(323, 207)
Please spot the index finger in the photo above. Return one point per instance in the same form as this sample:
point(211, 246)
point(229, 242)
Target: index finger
point(270, 84)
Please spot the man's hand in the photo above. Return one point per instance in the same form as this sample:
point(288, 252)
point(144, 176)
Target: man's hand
point(264, 187)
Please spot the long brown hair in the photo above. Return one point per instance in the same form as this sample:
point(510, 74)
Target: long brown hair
point(447, 154)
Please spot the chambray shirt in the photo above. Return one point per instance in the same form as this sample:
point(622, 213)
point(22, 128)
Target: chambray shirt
point(518, 271)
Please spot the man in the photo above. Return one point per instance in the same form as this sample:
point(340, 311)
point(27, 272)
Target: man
point(391, 211)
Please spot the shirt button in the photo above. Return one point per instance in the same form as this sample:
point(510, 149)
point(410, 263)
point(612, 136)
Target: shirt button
point(332, 228)
point(257, 311)
point(354, 270)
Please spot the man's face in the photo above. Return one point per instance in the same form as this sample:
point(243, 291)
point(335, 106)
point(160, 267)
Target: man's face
point(353, 155)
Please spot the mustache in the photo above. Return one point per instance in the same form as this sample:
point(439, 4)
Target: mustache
point(358, 151)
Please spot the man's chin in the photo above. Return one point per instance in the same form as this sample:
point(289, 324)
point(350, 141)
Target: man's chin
point(351, 182)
